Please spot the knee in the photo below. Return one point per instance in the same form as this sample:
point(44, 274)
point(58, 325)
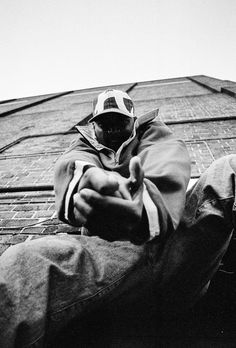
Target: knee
point(225, 162)
point(15, 262)
point(14, 255)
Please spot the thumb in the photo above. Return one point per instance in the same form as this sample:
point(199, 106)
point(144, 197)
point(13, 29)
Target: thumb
point(136, 173)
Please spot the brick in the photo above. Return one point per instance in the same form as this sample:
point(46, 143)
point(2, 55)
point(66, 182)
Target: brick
point(7, 215)
point(52, 207)
point(33, 230)
point(18, 222)
point(53, 221)
point(68, 229)
point(51, 230)
point(32, 207)
point(24, 207)
point(6, 207)
point(17, 239)
point(10, 231)
point(24, 215)
point(43, 214)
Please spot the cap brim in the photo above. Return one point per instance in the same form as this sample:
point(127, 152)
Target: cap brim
point(113, 110)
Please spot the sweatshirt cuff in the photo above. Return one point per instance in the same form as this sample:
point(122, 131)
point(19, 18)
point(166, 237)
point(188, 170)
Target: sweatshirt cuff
point(78, 172)
point(152, 214)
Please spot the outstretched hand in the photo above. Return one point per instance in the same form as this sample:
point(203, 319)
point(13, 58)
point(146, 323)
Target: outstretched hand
point(108, 204)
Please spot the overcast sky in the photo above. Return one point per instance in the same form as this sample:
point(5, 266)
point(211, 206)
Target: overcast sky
point(50, 46)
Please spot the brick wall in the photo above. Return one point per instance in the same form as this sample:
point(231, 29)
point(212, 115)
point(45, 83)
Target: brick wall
point(56, 115)
point(25, 216)
point(192, 107)
point(196, 109)
point(168, 89)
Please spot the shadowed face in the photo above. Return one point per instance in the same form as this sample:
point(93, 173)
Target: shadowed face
point(112, 129)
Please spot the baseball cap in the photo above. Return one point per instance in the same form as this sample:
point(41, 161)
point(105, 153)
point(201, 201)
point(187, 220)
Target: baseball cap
point(113, 100)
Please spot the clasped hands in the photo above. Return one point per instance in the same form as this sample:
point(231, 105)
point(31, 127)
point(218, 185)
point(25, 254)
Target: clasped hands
point(108, 204)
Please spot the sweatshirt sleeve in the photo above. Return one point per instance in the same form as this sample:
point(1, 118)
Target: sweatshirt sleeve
point(68, 171)
point(166, 165)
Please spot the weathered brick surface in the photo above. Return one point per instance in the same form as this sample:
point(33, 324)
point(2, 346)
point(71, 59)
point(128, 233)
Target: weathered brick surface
point(12, 105)
point(24, 214)
point(81, 96)
point(205, 130)
point(161, 81)
point(230, 90)
point(57, 115)
point(222, 147)
point(42, 221)
point(27, 171)
point(167, 90)
point(187, 108)
point(19, 125)
point(41, 173)
point(7, 214)
point(30, 162)
point(200, 157)
point(17, 223)
point(214, 83)
point(43, 145)
point(86, 96)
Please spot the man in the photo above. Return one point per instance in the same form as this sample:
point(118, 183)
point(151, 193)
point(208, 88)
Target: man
point(124, 182)
point(138, 161)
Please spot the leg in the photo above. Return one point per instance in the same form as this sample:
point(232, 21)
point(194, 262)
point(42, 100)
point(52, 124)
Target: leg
point(48, 282)
point(193, 253)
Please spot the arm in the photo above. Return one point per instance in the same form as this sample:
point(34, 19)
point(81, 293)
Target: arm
point(79, 168)
point(166, 165)
point(68, 171)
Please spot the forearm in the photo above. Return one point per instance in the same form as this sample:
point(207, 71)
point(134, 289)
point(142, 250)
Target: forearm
point(166, 165)
point(68, 171)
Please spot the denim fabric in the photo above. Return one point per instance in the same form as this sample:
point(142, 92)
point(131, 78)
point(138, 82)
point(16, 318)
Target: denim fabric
point(49, 281)
point(214, 194)
point(192, 255)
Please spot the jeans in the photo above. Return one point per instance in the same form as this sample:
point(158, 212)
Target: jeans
point(46, 283)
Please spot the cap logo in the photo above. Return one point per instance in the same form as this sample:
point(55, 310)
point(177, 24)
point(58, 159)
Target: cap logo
point(128, 104)
point(110, 103)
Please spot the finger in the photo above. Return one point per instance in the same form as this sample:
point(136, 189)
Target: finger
point(136, 173)
point(79, 218)
point(124, 190)
point(110, 185)
point(98, 180)
point(136, 170)
point(91, 197)
point(105, 203)
point(117, 194)
point(82, 210)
